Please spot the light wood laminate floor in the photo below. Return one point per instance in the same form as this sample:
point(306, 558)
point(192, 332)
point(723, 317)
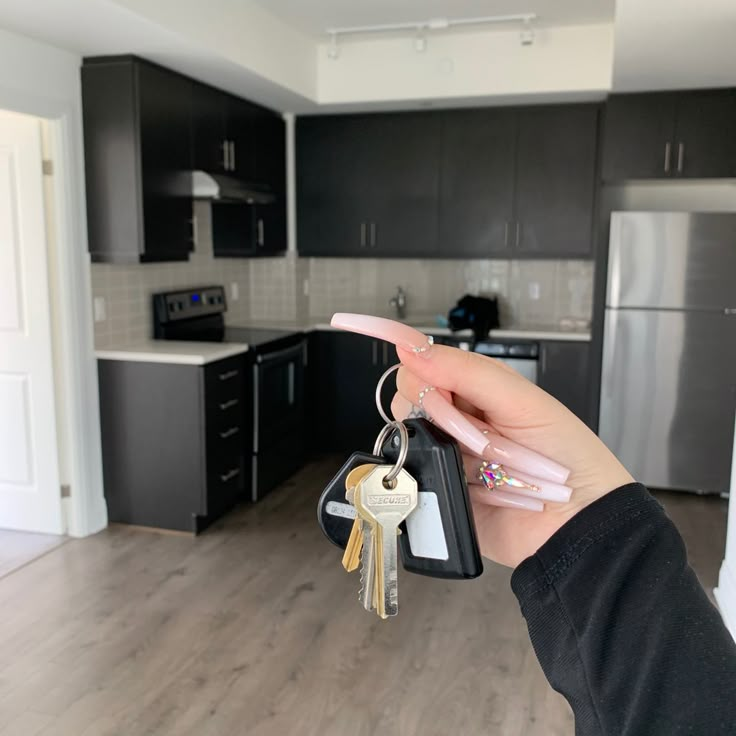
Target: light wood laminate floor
point(253, 628)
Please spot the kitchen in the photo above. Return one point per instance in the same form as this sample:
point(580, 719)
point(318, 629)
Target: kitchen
point(253, 228)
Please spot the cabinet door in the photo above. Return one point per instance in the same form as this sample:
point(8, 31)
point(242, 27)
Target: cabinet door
point(564, 372)
point(477, 174)
point(241, 129)
point(208, 128)
point(329, 184)
point(638, 138)
point(233, 229)
point(270, 228)
point(349, 368)
point(555, 181)
point(165, 140)
point(270, 150)
point(400, 182)
point(705, 135)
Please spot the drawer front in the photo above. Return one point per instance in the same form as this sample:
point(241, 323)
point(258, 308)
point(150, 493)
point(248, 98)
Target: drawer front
point(225, 474)
point(224, 383)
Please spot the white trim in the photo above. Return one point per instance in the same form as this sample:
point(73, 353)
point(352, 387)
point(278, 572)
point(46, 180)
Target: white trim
point(725, 595)
point(87, 509)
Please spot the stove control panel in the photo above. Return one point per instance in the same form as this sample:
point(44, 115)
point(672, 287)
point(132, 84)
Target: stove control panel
point(188, 304)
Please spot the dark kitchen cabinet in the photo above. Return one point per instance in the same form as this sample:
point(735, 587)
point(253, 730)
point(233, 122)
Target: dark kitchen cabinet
point(137, 149)
point(476, 192)
point(670, 135)
point(564, 372)
point(496, 182)
point(175, 441)
point(210, 150)
point(555, 181)
point(269, 152)
point(240, 229)
point(344, 370)
point(368, 185)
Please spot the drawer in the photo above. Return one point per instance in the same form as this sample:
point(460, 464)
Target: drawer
point(225, 420)
point(225, 475)
point(225, 383)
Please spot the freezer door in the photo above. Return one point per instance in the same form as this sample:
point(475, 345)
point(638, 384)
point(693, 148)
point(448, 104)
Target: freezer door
point(668, 395)
point(672, 260)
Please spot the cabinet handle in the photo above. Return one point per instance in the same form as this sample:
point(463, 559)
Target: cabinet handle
point(506, 235)
point(229, 432)
point(680, 157)
point(229, 404)
point(291, 387)
point(518, 233)
point(225, 156)
point(544, 361)
point(667, 153)
point(229, 475)
point(261, 233)
point(374, 350)
point(227, 375)
point(232, 155)
point(729, 311)
point(385, 353)
point(373, 235)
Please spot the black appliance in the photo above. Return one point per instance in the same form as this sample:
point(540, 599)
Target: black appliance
point(477, 313)
point(275, 383)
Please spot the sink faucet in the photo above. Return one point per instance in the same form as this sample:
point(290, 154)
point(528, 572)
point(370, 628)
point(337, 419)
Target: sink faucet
point(398, 302)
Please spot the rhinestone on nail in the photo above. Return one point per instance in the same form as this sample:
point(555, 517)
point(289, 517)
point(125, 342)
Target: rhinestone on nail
point(424, 348)
point(423, 393)
point(494, 476)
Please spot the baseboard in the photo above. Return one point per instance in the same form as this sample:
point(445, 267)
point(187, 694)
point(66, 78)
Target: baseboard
point(725, 595)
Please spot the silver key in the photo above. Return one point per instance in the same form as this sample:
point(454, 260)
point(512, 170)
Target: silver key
point(368, 567)
point(387, 507)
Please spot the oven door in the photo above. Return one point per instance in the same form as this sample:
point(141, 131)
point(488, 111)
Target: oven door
point(278, 396)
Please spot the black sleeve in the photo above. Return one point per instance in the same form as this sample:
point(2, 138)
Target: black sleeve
point(623, 629)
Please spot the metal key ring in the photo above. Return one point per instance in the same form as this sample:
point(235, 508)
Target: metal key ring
point(393, 474)
point(379, 388)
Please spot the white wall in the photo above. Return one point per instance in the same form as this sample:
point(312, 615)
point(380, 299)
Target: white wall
point(41, 80)
point(674, 44)
point(487, 64)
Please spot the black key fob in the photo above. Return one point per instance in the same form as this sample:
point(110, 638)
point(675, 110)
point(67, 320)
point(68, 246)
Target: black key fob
point(439, 536)
point(334, 513)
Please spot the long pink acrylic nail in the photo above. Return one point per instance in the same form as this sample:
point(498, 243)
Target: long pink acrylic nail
point(506, 500)
point(491, 446)
point(547, 491)
point(384, 329)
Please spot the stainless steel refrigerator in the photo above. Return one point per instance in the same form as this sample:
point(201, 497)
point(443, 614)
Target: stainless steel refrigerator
point(668, 390)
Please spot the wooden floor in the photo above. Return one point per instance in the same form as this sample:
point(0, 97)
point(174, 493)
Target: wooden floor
point(20, 548)
point(253, 628)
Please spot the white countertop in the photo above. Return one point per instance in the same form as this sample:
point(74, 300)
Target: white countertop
point(541, 332)
point(173, 351)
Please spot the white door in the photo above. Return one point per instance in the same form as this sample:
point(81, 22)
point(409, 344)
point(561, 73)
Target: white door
point(30, 497)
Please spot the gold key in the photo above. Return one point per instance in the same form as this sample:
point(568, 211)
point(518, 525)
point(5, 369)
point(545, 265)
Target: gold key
point(351, 557)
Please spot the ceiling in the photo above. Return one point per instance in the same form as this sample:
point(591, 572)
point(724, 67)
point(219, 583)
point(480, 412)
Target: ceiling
point(314, 16)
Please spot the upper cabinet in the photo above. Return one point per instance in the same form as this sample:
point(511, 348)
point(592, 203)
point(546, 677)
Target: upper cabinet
point(555, 181)
point(672, 135)
point(469, 183)
point(367, 185)
point(145, 129)
point(137, 150)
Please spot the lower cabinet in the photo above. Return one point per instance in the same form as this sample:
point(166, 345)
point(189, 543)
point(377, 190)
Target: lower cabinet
point(564, 372)
point(175, 443)
point(343, 372)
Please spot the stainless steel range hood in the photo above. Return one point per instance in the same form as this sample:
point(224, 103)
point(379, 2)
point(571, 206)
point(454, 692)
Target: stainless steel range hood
point(220, 188)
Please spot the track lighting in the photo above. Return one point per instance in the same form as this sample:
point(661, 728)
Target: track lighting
point(420, 29)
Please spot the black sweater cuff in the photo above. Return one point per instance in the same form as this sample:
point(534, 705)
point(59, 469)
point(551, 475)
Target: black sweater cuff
point(586, 529)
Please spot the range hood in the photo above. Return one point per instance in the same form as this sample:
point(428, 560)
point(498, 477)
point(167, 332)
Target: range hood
point(220, 188)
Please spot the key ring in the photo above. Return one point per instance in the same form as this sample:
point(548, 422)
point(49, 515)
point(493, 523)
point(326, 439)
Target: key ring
point(391, 424)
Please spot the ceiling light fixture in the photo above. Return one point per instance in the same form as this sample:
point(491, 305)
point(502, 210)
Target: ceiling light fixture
point(433, 24)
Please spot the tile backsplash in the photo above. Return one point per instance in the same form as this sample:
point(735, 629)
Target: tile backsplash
point(531, 293)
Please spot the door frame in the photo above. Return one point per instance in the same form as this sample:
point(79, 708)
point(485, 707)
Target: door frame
point(84, 509)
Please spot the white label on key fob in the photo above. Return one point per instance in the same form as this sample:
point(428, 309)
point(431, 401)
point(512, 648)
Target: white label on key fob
point(335, 508)
point(425, 530)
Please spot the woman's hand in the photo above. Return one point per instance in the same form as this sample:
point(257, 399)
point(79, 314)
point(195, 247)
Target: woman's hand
point(556, 464)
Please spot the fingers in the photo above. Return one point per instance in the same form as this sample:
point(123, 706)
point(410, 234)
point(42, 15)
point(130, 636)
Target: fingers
point(469, 431)
point(546, 490)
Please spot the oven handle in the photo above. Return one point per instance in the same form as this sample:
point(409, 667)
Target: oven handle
point(295, 351)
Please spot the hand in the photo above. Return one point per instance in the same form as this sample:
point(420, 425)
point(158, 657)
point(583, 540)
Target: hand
point(535, 438)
